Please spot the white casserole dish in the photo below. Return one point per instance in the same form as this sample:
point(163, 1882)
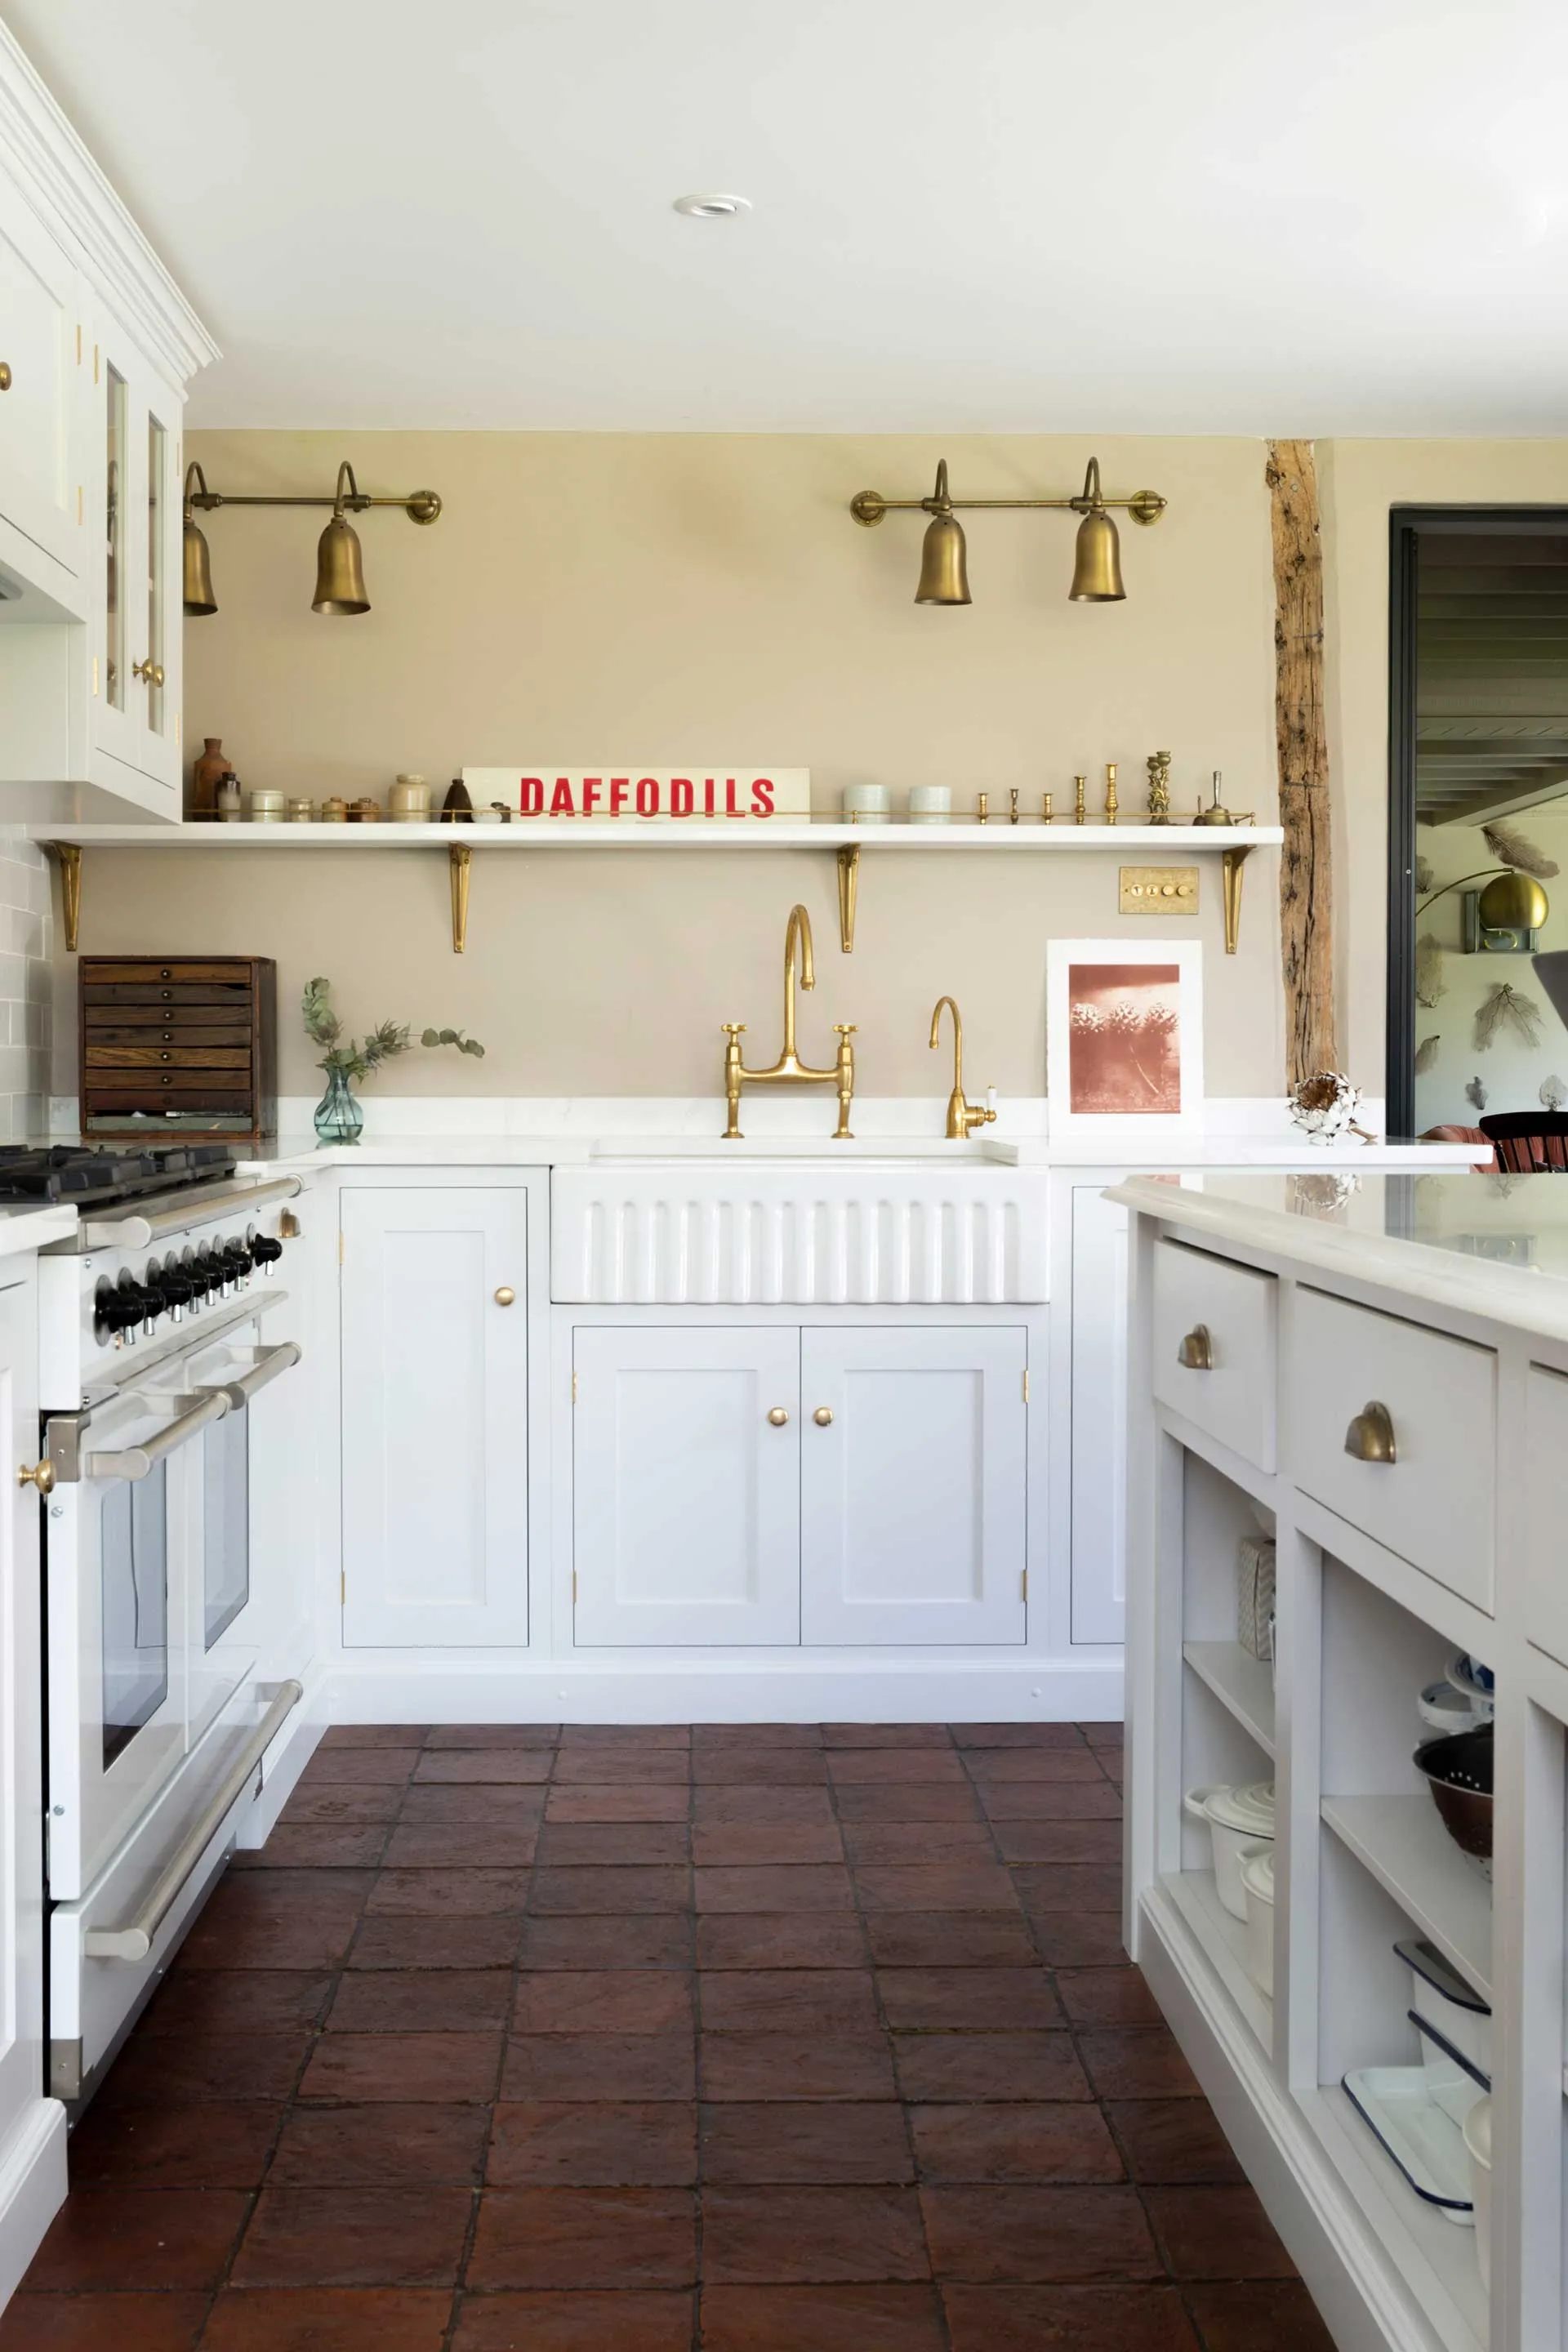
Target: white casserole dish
point(1452, 2083)
point(1257, 1888)
point(1479, 2149)
point(1236, 1819)
point(1440, 1997)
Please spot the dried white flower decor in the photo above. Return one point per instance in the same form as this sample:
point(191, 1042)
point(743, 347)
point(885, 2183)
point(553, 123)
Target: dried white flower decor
point(1325, 1108)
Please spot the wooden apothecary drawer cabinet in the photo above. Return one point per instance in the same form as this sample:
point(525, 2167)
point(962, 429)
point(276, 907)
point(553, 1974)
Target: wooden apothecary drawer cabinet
point(182, 1046)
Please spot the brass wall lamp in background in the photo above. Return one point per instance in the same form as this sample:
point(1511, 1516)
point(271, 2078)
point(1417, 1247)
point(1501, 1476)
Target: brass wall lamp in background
point(340, 565)
point(944, 576)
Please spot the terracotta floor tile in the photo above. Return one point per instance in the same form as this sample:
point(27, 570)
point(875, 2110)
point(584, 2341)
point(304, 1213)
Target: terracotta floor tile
point(1035, 2141)
point(783, 2236)
point(783, 2139)
point(606, 1768)
point(968, 2066)
point(856, 1766)
point(1085, 2236)
point(599, 1801)
point(461, 1845)
point(789, 2001)
point(885, 1734)
point(443, 2067)
point(848, 2319)
point(739, 1801)
point(794, 1768)
point(88, 2322)
point(365, 1768)
point(917, 1841)
point(1107, 1997)
point(139, 2238)
point(796, 2066)
point(236, 2001)
point(382, 2144)
point(766, 1886)
point(1281, 2317)
point(939, 1886)
point(317, 1846)
point(1108, 1736)
point(1077, 1887)
point(626, 1736)
point(756, 1735)
point(559, 2237)
point(645, 2320)
point(987, 1999)
point(593, 2143)
point(635, 2067)
point(374, 1735)
point(1217, 2234)
point(573, 1844)
point(993, 1768)
point(493, 1734)
point(1069, 1939)
point(420, 2001)
point(1137, 2063)
point(1057, 1842)
point(601, 1940)
point(1172, 2140)
point(207, 2066)
point(327, 2319)
point(1017, 1734)
point(801, 1939)
point(501, 1766)
point(354, 2237)
point(277, 1919)
point(718, 1844)
point(415, 1943)
point(950, 1939)
point(1051, 1800)
point(327, 1804)
point(446, 1894)
point(211, 2144)
point(472, 1801)
point(603, 2000)
point(912, 1800)
point(632, 1887)
point(1074, 2319)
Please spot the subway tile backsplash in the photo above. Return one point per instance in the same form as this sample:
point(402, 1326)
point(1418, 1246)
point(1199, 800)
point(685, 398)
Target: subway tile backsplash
point(26, 923)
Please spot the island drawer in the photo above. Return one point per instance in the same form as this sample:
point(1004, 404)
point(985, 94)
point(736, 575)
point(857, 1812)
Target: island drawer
point(1394, 1427)
point(1214, 1325)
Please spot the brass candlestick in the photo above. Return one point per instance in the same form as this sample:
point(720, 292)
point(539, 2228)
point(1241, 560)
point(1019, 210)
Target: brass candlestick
point(1013, 796)
point(1110, 791)
point(1081, 787)
point(1046, 817)
point(983, 810)
point(1159, 766)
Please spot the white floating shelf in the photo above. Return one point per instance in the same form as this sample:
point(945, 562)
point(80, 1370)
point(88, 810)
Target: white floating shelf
point(1240, 1681)
point(1223, 1943)
point(694, 834)
point(1404, 1845)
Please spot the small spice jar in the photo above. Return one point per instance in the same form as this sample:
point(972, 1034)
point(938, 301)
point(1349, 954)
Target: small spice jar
point(930, 803)
point(868, 804)
point(365, 812)
point(334, 810)
point(230, 809)
point(410, 802)
point(300, 812)
point(266, 807)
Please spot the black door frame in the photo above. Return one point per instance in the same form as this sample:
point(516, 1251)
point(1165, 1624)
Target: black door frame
point(1405, 525)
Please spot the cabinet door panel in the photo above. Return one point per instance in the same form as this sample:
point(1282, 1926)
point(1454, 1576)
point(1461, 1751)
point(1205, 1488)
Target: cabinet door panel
point(435, 1418)
point(1099, 1386)
point(39, 308)
point(686, 1496)
point(912, 1496)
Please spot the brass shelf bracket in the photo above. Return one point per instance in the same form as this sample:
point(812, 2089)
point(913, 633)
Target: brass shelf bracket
point(848, 893)
point(1232, 860)
point(69, 856)
point(460, 857)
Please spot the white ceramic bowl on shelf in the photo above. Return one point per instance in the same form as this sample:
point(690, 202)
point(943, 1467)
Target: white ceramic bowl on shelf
point(1236, 1819)
point(1257, 1890)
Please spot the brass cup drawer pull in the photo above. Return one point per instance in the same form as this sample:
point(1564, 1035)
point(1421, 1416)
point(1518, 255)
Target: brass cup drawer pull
point(1196, 1350)
point(1370, 1437)
point(778, 1416)
point(823, 1416)
point(40, 1474)
point(506, 1294)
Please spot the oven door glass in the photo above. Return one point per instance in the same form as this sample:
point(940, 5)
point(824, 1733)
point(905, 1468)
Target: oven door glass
point(226, 1479)
point(133, 1574)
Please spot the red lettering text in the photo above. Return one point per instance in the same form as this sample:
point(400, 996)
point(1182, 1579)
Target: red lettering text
point(530, 798)
point(680, 796)
point(762, 796)
point(708, 796)
point(560, 801)
point(730, 808)
point(647, 796)
point(591, 794)
point(619, 787)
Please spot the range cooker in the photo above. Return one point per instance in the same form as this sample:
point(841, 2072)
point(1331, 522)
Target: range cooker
point(160, 1320)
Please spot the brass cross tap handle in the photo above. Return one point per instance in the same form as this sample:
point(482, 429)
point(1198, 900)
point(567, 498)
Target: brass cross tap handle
point(778, 1416)
point(1370, 1437)
point(40, 1474)
point(1196, 1350)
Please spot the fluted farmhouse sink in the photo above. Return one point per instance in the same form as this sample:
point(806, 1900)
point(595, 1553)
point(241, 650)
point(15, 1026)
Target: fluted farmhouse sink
point(832, 1225)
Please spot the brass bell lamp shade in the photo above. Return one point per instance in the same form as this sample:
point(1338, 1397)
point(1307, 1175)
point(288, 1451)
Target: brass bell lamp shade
point(1512, 902)
point(1097, 561)
point(340, 563)
point(944, 573)
point(198, 596)
point(944, 576)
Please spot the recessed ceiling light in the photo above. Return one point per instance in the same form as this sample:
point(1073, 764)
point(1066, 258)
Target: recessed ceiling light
point(712, 208)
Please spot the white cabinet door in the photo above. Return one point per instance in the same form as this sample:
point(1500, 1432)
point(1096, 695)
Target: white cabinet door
point(40, 313)
point(434, 1417)
point(685, 1494)
point(1097, 1387)
point(137, 624)
point(913, 1474)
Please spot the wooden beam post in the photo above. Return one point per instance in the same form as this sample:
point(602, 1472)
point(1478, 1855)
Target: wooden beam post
point(1306, 900)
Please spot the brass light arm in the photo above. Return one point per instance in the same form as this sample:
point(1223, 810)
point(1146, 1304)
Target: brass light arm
point(419, 506)
point(1146, 506)
point(1482, 874)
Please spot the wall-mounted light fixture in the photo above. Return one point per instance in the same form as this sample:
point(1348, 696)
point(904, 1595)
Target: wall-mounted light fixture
point(339, 566)
point(1503, 919)
point(944, 577)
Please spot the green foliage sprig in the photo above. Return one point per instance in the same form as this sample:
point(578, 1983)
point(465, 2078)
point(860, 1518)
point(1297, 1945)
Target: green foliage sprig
point(358, 1059)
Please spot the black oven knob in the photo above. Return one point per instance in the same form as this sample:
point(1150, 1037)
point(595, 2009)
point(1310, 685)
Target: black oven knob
point(266, 1252)
point(178, 1290)
point(239, 1260)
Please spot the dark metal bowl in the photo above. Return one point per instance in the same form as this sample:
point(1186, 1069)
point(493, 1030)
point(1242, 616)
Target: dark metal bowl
point(1458, 1772)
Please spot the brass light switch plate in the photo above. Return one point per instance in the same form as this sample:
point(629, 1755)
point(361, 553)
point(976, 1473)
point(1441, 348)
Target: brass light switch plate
point(1158, 890)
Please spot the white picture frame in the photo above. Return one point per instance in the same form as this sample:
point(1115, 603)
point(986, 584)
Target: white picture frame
point(1137, 1070)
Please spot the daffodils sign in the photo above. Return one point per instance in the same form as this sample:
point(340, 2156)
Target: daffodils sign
point(544, 794)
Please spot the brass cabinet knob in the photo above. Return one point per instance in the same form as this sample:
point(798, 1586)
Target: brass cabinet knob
point(40, 1474)
point(823, 1416)
point(778, 1416)
point(1370, 1437)
point(1196, 1350)
point(5, 375)
point(506, 1296)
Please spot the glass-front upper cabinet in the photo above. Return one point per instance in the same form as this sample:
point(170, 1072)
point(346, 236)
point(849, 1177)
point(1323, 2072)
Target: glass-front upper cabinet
point(135, 682)
point(42, 423)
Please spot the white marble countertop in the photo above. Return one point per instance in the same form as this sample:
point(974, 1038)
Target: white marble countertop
point(28, 1227)
point(1490, 1244)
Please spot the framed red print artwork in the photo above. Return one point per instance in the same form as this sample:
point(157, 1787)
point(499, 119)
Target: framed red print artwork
point(1124, 1037)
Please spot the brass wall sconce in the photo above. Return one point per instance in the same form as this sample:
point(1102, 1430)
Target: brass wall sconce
point(340, 565)
point(944, 576)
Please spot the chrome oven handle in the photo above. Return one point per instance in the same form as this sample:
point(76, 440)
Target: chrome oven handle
point(268, 1364)
point(136, 1229)
point(134, 1941)
point(136, 1461)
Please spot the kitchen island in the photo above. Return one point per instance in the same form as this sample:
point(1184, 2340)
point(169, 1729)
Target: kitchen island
point(1374, 1373)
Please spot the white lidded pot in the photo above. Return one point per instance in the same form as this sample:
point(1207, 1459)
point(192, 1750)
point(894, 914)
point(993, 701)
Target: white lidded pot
point(1236, 1818)
point(1258, 1891)
point(1478, 2130)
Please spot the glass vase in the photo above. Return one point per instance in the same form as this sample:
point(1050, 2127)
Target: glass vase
point(338, 1119)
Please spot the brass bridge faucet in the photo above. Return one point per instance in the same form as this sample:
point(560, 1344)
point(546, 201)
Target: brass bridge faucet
point(961, 1115)
point(789, 1070)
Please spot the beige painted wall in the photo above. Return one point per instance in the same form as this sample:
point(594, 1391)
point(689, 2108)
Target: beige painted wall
point(698, 598)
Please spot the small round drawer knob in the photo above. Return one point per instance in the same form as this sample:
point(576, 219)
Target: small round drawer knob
point(823, 1416)
point(778, 1416)
point(5, 375)
point(1196, 1350)
point(505, 1296)
point(40, 1474)
point(1370, 1437)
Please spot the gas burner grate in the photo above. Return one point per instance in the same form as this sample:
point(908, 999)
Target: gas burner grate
point(78, 1174)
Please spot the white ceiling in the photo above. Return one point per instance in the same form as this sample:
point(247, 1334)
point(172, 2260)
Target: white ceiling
point(994, 216)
